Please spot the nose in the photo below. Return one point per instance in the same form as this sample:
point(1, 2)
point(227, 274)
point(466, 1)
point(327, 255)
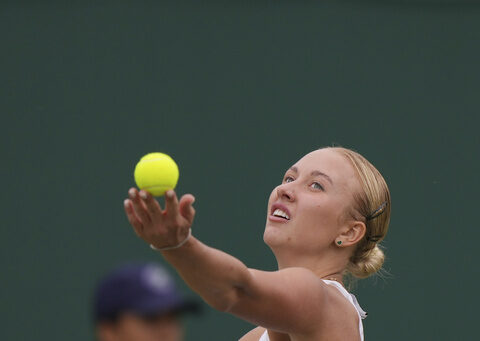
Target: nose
point(285, 192)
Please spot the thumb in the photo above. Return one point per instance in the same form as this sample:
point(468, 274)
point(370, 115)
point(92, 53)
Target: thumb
point(185, 207)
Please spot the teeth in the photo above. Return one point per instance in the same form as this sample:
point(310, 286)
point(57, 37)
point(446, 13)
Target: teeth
point(279, 213)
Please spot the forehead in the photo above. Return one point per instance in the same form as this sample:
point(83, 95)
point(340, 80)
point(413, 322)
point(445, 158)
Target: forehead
point(333, 164)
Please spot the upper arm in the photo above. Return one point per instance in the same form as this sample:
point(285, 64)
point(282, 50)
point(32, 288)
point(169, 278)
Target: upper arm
point(291, 300)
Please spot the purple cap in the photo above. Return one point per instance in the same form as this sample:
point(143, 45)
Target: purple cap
point(143, 289)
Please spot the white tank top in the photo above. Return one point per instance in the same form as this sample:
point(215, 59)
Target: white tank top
point(350, 297)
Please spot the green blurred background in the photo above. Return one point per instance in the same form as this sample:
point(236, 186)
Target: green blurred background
point(236, 92)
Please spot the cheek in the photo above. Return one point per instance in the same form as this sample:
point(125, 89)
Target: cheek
point(319, 215)
point(318, 228)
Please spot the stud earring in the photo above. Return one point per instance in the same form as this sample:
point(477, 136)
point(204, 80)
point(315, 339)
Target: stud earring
point(339, 242)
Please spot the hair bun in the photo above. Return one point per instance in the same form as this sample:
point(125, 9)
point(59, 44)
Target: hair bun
point(370, 263)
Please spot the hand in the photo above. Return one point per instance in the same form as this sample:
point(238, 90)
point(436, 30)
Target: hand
point(160, 228)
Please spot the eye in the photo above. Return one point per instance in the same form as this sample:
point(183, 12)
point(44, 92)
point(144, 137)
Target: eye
point(288, 179)
point(316, 185)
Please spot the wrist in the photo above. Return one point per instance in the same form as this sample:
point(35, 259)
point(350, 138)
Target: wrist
point(173, 247)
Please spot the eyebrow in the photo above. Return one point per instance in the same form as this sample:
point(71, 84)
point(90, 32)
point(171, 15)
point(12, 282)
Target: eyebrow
point(314, 173)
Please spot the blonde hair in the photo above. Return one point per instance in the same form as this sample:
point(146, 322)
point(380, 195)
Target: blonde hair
point(373, 204)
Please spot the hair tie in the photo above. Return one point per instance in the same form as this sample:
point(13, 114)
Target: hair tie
point(374, 239)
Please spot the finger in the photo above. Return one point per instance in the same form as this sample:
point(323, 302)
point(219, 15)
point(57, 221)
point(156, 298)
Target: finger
point(152, 205)
point(132, 217)
point(171, 204)
point(139, 206)
point(185, 207)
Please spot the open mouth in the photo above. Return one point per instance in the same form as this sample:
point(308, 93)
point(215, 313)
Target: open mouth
point(280, 211)
point(281, 214)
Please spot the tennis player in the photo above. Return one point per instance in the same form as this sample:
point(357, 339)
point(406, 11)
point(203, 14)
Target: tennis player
point(324, 221)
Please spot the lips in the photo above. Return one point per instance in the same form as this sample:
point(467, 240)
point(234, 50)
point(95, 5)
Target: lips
point(280, 213)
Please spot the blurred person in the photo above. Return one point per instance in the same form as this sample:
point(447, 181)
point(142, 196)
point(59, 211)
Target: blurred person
point(324, 221)
point(139, 302)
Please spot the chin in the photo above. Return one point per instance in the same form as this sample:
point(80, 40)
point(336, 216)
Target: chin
point(272, 236)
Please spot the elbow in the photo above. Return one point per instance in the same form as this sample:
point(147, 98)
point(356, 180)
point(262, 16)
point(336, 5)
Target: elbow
point(228, 297)
point(227, 301)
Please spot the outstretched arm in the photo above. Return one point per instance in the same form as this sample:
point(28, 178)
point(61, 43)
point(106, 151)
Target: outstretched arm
point(213, 274)
point(289, 300)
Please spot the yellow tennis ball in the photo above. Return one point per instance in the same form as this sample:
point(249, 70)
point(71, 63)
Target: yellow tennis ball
point(156, 173)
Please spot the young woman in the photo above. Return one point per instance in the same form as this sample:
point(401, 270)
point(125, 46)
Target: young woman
point(324, 220)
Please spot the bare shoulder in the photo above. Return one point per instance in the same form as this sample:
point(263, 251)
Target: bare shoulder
point(338, 303)
point(295, 277)
point(340, 316)
point(316, 310)
point(269, 295)
point(253, 335)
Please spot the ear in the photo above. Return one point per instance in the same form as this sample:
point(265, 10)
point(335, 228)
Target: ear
point(352, 234)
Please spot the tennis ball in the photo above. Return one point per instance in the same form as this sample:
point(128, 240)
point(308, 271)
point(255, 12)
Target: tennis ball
point(156, 173)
